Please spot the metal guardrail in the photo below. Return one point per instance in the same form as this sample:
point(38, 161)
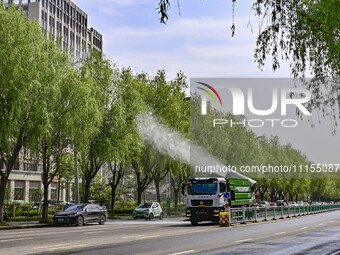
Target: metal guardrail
point(256, 214)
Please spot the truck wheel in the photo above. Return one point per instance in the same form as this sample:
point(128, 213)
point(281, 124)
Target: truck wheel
point(194, 222)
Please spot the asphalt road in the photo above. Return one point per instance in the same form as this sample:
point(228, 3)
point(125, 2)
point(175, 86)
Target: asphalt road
point(314, 234)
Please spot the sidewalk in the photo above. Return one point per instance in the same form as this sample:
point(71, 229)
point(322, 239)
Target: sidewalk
point(25, 224)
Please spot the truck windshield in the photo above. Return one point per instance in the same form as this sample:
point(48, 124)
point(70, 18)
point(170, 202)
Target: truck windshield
point(202, 188)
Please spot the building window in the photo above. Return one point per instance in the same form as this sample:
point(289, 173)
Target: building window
point(19, 190)
point(35, 191)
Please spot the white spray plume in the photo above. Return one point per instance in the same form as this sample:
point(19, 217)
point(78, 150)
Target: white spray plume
point(177, 147)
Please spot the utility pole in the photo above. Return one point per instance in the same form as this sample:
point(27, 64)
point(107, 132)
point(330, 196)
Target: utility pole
point(168, 194)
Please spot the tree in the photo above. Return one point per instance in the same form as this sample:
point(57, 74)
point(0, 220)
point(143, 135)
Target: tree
point(179, 175)
point(144, 164)
point(23, 112)
point(98, 70)
point(168, 102)
point(306, 32)
point(124, 114)
point(63, 93)
point(65, 172)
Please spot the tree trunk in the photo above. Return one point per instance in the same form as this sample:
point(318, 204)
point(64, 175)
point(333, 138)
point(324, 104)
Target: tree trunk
point(46, 168)
point(157, 190)
point(113, 199)
point(2, 196)
point(45, 203)
point(59, 191)
point(87, 190)
point(139, 195)
point(176, 191)
point(262, 196)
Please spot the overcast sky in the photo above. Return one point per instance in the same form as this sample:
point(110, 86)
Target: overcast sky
point(199, 43)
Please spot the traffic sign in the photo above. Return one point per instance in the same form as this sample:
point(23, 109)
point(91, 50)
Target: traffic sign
point(227, 195)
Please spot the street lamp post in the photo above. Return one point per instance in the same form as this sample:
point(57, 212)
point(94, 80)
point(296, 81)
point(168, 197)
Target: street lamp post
point(76, 181)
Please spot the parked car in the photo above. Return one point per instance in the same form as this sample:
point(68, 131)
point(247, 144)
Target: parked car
point(272, 204)
point(148, 210)
point(281, 203)
point(36, 206)
point(67, 204)
point(81, 214)
point(300, 203)
point(305, 203)
point(264, 204)
point(315, 203)
point(293, 204)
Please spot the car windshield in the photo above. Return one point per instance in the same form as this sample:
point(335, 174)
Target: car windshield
point(145, 205)
point(202, 188)
point(75, 208)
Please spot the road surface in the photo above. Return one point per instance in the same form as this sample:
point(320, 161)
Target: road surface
point(313, 234)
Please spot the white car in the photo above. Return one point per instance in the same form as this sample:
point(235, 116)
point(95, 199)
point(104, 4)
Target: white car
point(300, 203)
point(293, 204)
point(264, 204)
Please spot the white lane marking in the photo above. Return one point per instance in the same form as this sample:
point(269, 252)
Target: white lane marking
point(280, 233)
point(320, 224)
point(181, 252)
point(244, 240)
point(304, 228)
point(16, 239)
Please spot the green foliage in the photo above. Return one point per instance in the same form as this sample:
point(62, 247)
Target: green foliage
point(48, 220)
point(114, 217)
point(124, 211)
point(100, 192)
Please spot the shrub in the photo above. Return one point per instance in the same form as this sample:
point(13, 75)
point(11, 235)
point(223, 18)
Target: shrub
point(49, 220)
point(27, 213)
point(116, 217)
point(24, 218)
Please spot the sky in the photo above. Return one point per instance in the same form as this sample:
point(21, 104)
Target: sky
point(197, 41)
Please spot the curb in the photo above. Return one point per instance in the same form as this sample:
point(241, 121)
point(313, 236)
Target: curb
point(42, 225)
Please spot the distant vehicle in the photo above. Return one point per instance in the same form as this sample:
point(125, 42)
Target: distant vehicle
point(305, 203)
point(293, 204)
point(281, 203)
point(315, 203)
point(148, 210)
point(300, 203)
point(264, 204)
point(67, 204)
point(273, 204)
point(36, 206)
point(81, 214)
point(19, 201)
